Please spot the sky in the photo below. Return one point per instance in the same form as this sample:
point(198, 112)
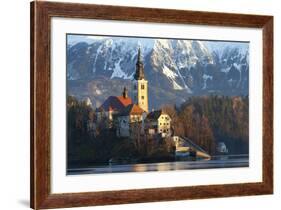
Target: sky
point(73, 39)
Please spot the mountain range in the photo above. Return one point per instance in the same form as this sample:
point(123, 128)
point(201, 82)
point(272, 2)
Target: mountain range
point(175, 69)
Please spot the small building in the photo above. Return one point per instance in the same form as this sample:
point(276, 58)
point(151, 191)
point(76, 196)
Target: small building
point(130, 121)
point(113, 105)
point(177, 141)
point(221, 148)
point(158, 122)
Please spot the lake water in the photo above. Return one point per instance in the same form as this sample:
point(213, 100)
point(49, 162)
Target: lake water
point(214, 162)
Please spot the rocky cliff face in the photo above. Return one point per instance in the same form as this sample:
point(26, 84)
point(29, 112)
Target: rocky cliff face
point(175, 69)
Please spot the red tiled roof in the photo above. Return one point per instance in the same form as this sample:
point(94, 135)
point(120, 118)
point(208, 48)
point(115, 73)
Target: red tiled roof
point(136, 109)
point(115, 103)
point(132, 109)
point(125, 101)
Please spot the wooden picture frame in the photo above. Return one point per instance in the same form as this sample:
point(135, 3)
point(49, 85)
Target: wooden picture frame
point(40, 188)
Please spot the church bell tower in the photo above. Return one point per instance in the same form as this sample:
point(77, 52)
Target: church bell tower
point(140, 89)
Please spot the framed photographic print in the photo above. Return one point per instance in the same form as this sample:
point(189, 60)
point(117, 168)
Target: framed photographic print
point(140, 105)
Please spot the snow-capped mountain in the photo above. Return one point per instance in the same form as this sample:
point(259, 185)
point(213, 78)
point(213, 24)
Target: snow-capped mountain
point(176, 67)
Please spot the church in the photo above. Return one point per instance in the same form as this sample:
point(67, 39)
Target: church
point(140, 86)
point(126, 115)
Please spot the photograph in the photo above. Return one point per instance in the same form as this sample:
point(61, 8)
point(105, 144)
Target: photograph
point(132, 104)
point(139, 104)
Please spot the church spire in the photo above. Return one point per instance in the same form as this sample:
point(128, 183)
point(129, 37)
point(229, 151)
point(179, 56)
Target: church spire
point(139, 75)
point(125, 93)
point(139, 55)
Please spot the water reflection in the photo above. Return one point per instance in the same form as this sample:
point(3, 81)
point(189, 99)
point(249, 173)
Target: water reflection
point(139, 168)
point(215, 162)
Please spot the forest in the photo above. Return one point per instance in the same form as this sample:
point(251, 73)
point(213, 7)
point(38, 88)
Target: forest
point(206, 120)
